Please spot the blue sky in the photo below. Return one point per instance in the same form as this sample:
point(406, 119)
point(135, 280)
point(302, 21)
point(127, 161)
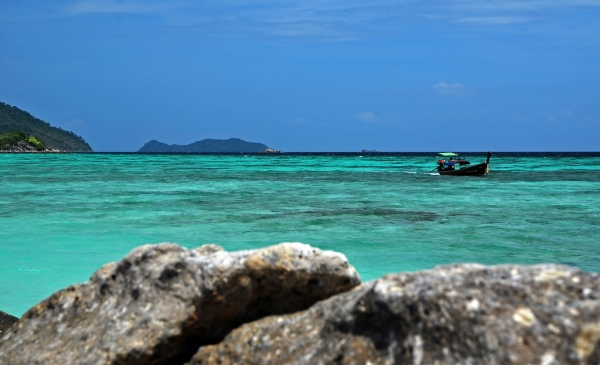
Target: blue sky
point(308, 75)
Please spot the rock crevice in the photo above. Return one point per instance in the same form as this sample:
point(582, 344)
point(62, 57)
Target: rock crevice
point(6, 320)
point(460, 314)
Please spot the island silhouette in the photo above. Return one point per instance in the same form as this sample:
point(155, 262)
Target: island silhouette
point(207, 145)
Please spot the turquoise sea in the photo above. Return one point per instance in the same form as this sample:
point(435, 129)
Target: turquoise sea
point(64, 215)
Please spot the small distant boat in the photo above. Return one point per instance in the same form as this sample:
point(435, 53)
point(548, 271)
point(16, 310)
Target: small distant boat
point(270, 150)
point(459, 166)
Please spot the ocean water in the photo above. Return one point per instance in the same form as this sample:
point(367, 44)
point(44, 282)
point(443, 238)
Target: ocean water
point(63, 216)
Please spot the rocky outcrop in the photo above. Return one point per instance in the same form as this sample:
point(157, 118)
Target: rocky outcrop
point(460, 314)
point(162, 302)
point(6, 320)
point(21, 147)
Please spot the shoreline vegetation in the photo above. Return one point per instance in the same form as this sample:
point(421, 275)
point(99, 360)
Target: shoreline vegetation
point(20, 132)
point(296, 304)
point(19, 142)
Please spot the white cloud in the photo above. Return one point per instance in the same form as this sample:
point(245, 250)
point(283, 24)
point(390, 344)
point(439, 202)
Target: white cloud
point(443, 88)
point(118, 7)
point(506, 12)
point(367, 117)
point(328, 19)
point(495, 6)
point(495, 20)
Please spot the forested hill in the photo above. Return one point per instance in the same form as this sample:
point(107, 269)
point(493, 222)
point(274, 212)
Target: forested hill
point(13, 119)
point(206, 145)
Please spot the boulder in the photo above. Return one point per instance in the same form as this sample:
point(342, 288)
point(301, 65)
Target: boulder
point(459, 314)
point(160, 303)
point(20, 146)
point(6, 320)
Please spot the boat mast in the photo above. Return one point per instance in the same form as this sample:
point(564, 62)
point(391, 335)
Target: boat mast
point(488, 158)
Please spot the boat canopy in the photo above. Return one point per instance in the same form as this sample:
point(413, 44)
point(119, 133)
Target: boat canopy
point(448, 154)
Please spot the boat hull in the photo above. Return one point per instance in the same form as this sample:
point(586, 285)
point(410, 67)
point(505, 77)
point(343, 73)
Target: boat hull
point(475, 170)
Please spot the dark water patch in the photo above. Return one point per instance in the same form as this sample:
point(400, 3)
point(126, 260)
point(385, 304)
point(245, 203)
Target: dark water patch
point(458, 214)
point(414, 216)
point(377, 212)
point(586, 192)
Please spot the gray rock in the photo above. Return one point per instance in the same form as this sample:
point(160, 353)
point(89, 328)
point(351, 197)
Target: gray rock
point(459, 314)
point(161, 302)
point(6, 320)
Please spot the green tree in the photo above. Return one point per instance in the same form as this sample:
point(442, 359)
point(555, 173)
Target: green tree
point(35, 143)
point(13, 138)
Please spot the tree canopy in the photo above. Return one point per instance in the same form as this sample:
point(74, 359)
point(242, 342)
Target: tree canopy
point(13, 138)
point(15, 120)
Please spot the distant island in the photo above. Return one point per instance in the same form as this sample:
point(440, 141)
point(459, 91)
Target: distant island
point(208, 145)
point(22, 132)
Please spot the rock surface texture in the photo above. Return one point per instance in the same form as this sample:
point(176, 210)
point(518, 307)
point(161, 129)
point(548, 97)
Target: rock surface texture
point(21, 147)
point(161, 302)
point(6, 320)
point(459, 314)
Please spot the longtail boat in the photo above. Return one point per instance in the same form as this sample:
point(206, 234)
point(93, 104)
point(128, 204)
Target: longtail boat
point(458, 166)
